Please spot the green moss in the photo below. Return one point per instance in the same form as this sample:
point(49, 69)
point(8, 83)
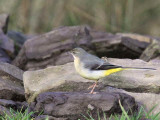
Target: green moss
point(67, 87)
point(148, 75)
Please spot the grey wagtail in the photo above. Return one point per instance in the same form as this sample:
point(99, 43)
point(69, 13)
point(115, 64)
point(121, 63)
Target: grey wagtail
point(93, 68)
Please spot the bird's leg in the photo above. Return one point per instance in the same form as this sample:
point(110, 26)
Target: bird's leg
point(93, 87)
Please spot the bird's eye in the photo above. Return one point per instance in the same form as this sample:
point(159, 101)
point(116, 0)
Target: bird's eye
point(74, 51)
point(77, 52)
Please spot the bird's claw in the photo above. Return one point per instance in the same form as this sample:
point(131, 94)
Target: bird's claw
point(93, 93)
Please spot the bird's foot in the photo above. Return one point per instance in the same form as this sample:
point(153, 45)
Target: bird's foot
point(93, 93)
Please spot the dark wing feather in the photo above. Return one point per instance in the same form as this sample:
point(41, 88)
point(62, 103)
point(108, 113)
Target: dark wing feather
point(107, 67)
point(104, 66)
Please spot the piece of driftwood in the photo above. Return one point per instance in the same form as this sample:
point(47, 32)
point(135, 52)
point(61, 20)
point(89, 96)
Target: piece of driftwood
point(135, 42)
point(52, 48)
point(152, 51)
point(6, 44)
point(4, 18)
point(76, 105)
point(65, 78)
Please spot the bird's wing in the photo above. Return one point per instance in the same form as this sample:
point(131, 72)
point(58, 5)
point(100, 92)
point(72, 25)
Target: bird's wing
point(101, 66)
point(94, 63)
point(106, 67)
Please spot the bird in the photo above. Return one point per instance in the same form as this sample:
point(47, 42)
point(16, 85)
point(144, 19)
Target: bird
point(93, 68)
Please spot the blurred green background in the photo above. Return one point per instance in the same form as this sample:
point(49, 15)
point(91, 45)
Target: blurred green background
point(39, 16)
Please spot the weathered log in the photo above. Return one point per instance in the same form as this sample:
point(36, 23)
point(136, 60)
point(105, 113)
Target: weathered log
point(147, 100)
point(51, 48)
point(4, 18)
point(11, 83)
point(6, 44)
point(152, 51)
point(72, 105)
point(65, 78)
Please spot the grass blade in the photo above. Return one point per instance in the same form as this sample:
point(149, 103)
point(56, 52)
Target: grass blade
point(123, 110)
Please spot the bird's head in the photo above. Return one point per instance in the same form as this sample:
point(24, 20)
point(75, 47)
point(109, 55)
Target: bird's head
point(78, 52)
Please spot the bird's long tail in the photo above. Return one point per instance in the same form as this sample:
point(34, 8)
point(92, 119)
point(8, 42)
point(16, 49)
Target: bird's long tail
point(138, 68)
point(119, 68)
